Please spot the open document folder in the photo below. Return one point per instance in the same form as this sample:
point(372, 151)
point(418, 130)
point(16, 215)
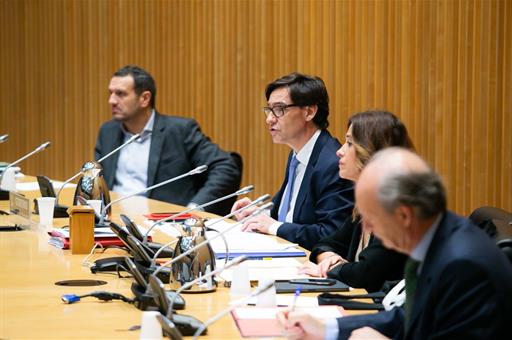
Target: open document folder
point(253, 245)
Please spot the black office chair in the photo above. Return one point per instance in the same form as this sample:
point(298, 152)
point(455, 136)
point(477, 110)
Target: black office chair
point(237, 158)
point(496, 223)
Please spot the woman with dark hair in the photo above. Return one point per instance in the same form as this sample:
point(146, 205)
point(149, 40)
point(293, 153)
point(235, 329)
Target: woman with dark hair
point(351, 255)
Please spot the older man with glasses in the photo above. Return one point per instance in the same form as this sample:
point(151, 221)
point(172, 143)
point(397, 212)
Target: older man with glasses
point(313, 200)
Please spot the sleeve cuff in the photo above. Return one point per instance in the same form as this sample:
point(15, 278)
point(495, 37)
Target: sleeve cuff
point(272, 230)
point(331, 329)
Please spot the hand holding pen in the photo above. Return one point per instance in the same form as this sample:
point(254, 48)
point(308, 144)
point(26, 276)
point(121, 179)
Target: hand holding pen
point(300, 325)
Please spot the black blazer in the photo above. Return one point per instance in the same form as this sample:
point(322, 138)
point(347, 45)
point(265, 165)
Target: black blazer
point(463, 291)
point(324, 200)
point(376, 263)
point(177, 146)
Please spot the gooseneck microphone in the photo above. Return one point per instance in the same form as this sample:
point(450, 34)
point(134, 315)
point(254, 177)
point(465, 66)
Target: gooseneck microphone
point(242, 191)
point(234, 262)
point(231, 227)
point(4, 138)
point(238, 303)
point(253, 203)
point(33, 152)
point(134, 137)
point(192, 172)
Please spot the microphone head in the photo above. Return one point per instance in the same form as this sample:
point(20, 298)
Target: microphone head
point(4, 138)
point(261, 199)
point(43, 146)
point(245, 190)
point(134, 137)
point(198, 170)
point(264, 207)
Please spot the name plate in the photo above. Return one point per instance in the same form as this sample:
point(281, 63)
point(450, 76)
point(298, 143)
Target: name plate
point(19, 205)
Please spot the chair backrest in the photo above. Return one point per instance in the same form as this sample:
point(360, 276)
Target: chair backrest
point(496, 223)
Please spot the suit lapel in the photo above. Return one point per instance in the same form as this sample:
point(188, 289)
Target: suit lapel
point(278, 196)
point(305, 185)
point(157, 141)
point(109, 171)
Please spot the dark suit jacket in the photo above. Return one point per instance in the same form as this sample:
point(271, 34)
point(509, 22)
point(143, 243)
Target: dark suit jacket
point(324, 200)
point(463, 291)
point(177, 146)
point(376, 263)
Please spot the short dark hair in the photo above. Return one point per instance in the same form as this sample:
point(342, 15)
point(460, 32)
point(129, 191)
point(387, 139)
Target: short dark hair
point(143, 81)
point(305, 90)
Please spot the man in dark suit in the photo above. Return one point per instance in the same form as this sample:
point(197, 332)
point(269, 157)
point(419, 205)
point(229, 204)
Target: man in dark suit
point(313, 200)
point(458, 283)
point(169, 146)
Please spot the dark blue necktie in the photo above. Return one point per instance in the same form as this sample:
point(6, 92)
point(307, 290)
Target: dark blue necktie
point(285, 206)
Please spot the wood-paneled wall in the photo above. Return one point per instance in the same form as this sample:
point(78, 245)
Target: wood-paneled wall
point(445, 67)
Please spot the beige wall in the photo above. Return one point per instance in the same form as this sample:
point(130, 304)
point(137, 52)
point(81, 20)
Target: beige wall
point(445, 67)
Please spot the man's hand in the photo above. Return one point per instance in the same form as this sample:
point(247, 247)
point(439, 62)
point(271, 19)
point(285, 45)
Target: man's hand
point(299, 325)
point(366, 333)
point(240, 204)
point(260, 223)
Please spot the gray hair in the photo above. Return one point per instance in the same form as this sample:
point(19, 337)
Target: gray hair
point(424, 191)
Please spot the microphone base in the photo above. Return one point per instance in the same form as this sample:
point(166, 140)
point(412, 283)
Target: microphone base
point(102, 224)
point(60, 211)
point(4, 195)
point(166, 253)
point(169, 329)
point(164, 275)
point(110, 264)
point(144, 301)
point(186, 324)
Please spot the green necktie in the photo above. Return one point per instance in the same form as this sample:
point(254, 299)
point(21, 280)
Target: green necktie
point(411, 279)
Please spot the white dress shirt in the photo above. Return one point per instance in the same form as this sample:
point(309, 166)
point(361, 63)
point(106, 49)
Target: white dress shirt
point(303, 157)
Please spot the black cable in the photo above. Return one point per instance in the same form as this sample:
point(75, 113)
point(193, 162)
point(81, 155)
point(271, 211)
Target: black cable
point(101, 295)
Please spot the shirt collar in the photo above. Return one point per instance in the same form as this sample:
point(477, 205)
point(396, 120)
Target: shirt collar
point(420, 251)
point(146, 131)
point(305, 153)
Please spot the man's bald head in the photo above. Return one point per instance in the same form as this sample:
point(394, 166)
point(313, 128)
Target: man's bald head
point(397, 191)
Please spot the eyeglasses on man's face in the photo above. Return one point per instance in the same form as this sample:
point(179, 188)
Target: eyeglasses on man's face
point(277, 110)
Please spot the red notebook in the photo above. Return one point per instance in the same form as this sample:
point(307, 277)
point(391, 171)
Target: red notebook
point(61, 240)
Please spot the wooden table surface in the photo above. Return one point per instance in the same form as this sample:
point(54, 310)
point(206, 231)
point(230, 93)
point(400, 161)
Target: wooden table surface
point(30, 302)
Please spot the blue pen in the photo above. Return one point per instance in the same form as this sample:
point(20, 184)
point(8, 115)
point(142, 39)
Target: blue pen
point(295, 297)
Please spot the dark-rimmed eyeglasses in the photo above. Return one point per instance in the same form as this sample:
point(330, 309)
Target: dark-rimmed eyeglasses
point(278, 111)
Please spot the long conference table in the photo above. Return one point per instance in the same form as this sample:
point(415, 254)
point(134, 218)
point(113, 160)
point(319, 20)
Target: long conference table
point(30, 302)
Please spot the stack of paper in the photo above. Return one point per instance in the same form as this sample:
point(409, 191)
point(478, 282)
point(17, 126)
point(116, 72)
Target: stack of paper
point(253, 245)
point(60, 238)
point(277, 269)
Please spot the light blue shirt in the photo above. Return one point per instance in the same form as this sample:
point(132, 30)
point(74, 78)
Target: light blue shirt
point(418, 253)
point(132, 166)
